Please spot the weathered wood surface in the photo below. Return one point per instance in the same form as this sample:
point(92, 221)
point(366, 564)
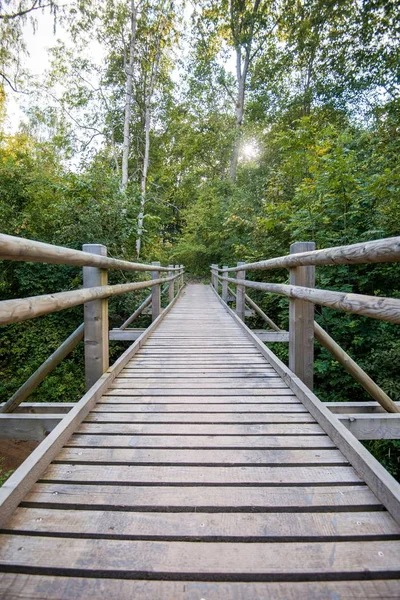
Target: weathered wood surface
point(384, 250)
point(21, 309)
point(382, 426)
point(15, 248)
point(34, 587)
point(301, 320)
point(376, 307)
point(17, 426)
point(199, 464)
point(95, 321)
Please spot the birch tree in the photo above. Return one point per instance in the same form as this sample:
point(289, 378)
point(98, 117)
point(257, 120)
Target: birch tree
point(156, 42)
point(129, 68)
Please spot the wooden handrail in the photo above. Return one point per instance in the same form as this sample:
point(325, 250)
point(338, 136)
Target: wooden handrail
point(376, 307)
point(384, 250)
point(21, 309)
point(21, 249)
point(45, 368)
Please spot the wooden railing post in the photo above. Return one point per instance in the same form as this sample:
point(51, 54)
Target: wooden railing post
point(95, 321)
point(301, 320)
point(155, 293)
point(171, 285)
point(177, 280)
point(224, 285)
point(240, 293)
point(181, 277)
point(214, 277)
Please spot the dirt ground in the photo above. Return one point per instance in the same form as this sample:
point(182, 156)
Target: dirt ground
point(13, 453)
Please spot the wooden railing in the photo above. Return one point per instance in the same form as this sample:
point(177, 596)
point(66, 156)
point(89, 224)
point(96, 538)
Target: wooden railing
point(302, 294)
point(94, 295)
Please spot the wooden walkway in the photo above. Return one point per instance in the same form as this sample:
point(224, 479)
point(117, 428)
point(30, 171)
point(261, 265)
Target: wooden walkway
point(200, 475)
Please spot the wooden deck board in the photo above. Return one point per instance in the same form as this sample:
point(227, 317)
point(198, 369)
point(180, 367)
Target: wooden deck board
point(200, 465)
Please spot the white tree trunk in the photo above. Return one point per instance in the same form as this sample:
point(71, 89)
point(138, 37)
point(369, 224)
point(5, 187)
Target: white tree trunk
point(241, 76)
point(128, 97)
point(143, 182)
point(147, 127)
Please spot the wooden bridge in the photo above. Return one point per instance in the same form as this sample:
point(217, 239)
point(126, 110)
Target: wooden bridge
point(199, 466)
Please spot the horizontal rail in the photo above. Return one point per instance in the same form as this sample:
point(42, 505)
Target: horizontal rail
point(385, 250)
point(20, 249)
point(33, 427)
point(376, 307)
point(39, 408)
point(381, 426)
point(21, 309)
point(47, 367)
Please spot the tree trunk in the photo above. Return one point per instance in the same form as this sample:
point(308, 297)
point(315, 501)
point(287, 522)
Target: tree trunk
point(147, 125)
point(143, 182)
point(128, 97)
point(241, 76)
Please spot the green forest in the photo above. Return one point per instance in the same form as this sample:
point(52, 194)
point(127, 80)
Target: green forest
point(202, 132)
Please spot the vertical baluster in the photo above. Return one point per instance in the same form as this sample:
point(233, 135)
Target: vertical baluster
point(224, 285)
point(301, 320)
point(240, 293)
point(155, 293)
point(96, 321)
point(171, 284)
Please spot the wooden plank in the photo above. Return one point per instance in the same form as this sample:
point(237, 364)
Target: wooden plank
point(355, 407)
point(205, 429)
point(211, 499)
point(214, 392)
point(199, 384)
point(194, 408)
point(38, 587)
point(384, 426)
point(196, 560)
point(254, 418)
point(231, 351)
point(200, 441)
point(43, 407)
point(16, 486)
point(198, 475)
point(201, 456)
point(17, 426)
point(268, 396)
point(124, 335)
point(271, 336)
point(165, 374)
point(201, 526)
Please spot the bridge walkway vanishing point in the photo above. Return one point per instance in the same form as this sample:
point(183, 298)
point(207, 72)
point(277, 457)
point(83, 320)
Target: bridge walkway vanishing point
point(200, 474)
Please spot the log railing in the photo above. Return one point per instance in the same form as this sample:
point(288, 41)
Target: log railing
point(302, 294)
point(94, 295)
